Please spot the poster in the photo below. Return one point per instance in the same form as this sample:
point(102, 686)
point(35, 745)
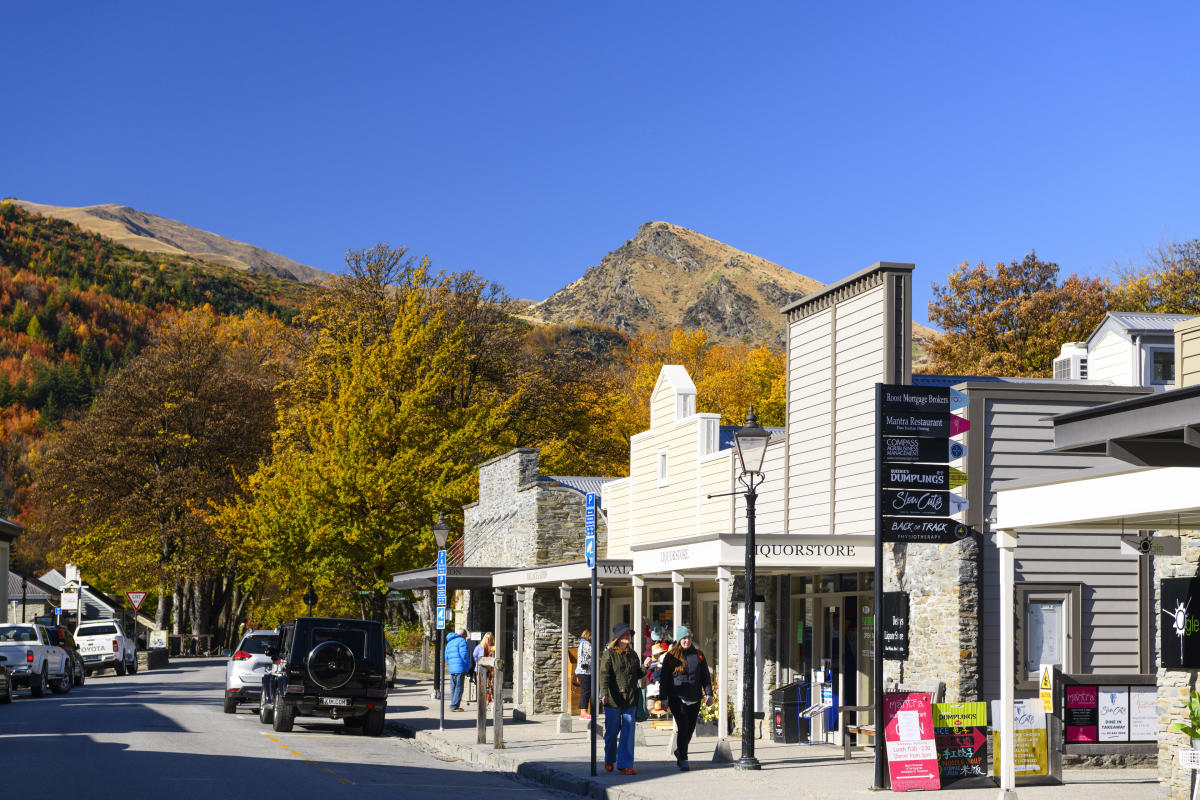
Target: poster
point(1179, 633)
point(1081, 715)
point(158, 640)
point(960, 735)
point(895, 625)
point(1031, 755)
point(1143, 713)
point(908, 733)
point(1113, 714)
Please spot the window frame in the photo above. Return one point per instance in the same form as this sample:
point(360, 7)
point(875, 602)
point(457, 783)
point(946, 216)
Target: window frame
point(1071, 596)
point(1152, 353)
point(662, 466)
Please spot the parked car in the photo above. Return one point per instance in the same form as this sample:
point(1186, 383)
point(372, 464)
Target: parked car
point(61, 637)
point(331, 668)
point(5, 681)
point(33, 662)
point(391, 667)
point(245, 668)
point(102, 643)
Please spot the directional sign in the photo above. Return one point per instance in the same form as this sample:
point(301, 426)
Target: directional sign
point(441, 618)
point(136, 599)
point(441, 597)
point(589, 522)
point(957, 400)
point(958, 503)
point(919, 502)
point(905, 449)
point(959, 425)
point(932, 530)
point(441, 581)
point(441, 562)
point(915, 423)
point(957, 477)
point(589, 551)
point(934, 399)
point(917, 476)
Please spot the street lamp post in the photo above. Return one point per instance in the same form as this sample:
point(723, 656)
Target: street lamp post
point(441, 532)
point(310, 598)
point(751, 444)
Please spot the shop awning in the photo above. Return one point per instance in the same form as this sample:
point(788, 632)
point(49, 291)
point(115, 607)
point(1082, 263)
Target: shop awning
point(456, 578)
point(608, 571)
point(776, 554)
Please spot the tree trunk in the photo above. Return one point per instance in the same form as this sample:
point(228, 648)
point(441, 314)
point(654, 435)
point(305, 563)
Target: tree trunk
point(178, 609)
point(164, 607)
point(199, 608)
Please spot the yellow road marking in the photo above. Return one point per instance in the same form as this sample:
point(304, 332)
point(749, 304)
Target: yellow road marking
point(346, 781)
point(327, 770)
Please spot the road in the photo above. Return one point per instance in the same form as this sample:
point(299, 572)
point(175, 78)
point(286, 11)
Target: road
point(163, 734)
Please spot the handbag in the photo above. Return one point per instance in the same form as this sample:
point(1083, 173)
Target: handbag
point(643, 712)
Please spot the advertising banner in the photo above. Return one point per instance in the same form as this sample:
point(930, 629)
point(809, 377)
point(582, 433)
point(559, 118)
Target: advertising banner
point(960, 734)
point(908, 734)
point(1082, 713)
point(1031, 755)
point(895, 625)
point(1179, 631)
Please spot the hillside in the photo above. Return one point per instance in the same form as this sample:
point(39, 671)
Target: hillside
point(668, 276)
point(148, 233)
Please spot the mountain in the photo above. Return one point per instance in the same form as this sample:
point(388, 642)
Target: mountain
point(138, 230)
point(669, 276)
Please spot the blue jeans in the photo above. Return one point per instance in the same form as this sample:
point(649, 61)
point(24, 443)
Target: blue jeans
point(619, 720)
point(457, 679)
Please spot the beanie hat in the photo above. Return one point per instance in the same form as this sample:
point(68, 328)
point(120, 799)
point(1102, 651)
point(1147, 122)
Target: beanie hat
point(681, 632)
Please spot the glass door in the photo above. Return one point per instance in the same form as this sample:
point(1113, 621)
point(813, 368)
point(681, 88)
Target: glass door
point(707, 626)
point(832, 636)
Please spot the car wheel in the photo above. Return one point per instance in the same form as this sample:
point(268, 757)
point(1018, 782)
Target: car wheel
point(120, 667)
point(265, 712)
point(37, 686)
point(230, 703)
point(285, 715)
point(133, 665)
point(62, 685)
point(373, 722)
point(80, 677)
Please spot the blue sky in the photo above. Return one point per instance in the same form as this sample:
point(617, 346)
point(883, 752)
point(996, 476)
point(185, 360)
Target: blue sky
point(526, 140)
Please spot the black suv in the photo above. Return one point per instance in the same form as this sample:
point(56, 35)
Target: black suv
point(329, 668)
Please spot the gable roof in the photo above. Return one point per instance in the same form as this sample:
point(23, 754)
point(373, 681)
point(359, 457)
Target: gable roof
point(1137, 323)
point(678, 377)
point(34, 589)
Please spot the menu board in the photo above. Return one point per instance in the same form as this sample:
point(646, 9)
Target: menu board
point(960, 735)
point(1082, 713)
point(908, 734)
point(1143, 713)
point(1031, 755)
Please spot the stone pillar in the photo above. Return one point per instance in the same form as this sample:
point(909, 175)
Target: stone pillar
point(564, 718)
point(519, 675)
point(723, 752)
point(501, 668)
point(639, 611)
point(676, 601)
point(1006, 541)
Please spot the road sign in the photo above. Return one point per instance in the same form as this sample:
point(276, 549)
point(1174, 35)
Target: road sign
point(916, 476)
point(589, 543)
point(933, 530)
point(589, 551)
point(441, 618)
point(58, 612)
point(441, 597)
point(905, 449)
point(441, 581)
point(136, 599)
point(441, 562)
point(918, 502)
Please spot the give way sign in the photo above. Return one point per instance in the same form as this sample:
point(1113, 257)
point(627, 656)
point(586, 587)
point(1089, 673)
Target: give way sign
point(136, 598)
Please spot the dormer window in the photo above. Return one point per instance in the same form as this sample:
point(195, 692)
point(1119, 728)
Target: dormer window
point(1162, 366)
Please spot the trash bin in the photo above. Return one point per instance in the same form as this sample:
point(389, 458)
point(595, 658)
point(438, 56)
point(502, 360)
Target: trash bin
point(786, 704)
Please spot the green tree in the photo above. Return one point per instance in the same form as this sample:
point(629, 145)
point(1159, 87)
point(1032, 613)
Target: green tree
point(1011, 320)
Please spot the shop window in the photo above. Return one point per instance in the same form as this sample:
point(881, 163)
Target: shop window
point(1049, 633)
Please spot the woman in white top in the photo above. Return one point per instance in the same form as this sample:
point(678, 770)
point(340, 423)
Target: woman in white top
point(583, 674)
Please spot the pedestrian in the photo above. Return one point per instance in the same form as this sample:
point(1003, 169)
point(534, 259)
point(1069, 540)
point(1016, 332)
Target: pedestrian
point(620, 679)
point(583, 674)
point(458, 664)
point(486, 647)
point(685, 679)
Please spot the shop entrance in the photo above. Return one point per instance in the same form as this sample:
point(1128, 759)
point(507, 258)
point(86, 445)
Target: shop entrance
point(832, 630)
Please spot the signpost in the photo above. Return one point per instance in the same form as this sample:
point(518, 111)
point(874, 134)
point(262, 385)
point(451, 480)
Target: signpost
point(913, 505)
point(136, 599)
point(589, 550)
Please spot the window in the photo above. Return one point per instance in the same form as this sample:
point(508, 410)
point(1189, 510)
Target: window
point(662, 467)
point(1162, 366)
point(1049, 629)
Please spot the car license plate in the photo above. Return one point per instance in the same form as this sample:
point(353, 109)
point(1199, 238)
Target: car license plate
point(335, 701)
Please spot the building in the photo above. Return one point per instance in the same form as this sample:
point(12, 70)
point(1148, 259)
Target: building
point(9, 531)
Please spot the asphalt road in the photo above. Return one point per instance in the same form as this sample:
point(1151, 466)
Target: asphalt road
point(162, 734)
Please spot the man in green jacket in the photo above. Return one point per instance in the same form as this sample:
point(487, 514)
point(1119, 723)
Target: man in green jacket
point(620, 686)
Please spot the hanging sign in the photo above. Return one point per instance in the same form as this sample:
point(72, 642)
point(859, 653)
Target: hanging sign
point(895, 625)
point(1031, 757)
point(916, 476)
point(917, 398)
point(931, 530)
point(68, 599)
point(960, 734)
point(931, 503)
point(1179, 633)
point(905, 449)
point(908, 734)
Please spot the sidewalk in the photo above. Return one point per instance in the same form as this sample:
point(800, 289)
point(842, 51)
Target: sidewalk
point(535, 750)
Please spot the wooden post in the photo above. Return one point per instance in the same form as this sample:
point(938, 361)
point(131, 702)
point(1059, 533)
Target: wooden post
point(498, 672)
point(480, 702)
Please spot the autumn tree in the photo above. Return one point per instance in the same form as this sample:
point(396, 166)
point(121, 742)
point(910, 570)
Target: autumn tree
point(1168, 284)
point(381, 428)
point(1011, 319)
point(132, 485)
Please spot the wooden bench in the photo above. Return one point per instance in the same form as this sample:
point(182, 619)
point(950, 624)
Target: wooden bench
point(935, 688)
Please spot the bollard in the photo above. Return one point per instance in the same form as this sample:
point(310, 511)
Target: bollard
point(481, 708)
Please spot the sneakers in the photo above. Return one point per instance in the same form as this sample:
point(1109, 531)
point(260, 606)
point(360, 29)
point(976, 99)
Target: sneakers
point(683, 766)
point(628, 771)
point(609, 767)
point(585, 716)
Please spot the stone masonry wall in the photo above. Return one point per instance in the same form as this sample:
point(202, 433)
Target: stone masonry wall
point(543, 654)
point(941, 581)
point(1174, 684)
point(500, 528)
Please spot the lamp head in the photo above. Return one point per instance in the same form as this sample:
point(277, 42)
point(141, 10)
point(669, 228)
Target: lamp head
point(751, 444)
point(441, 531)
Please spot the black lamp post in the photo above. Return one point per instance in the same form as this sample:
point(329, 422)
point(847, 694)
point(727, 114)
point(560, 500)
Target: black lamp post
point(441, 532)
point(310, 598)
point(751, 444)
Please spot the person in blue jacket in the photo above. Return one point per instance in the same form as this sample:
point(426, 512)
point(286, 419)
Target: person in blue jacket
point(458, 664)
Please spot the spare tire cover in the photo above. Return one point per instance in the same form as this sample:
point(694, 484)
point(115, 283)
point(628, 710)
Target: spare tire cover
point(331, 665)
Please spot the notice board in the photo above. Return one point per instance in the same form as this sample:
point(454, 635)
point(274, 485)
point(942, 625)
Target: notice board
point(1110, 713)
point(908, 734)
point(960, 735)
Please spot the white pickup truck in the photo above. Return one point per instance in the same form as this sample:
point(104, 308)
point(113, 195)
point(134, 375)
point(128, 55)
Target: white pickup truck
point(102, 644)
point(33, 662)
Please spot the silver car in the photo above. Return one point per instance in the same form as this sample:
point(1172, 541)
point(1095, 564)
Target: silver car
point(244, 669)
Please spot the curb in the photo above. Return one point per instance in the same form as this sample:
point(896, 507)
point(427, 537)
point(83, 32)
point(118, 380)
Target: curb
point(498, 761)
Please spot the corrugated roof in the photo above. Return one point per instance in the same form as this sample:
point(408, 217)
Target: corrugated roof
point(584, 484)
point(34, 589)
point(1140, 321)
